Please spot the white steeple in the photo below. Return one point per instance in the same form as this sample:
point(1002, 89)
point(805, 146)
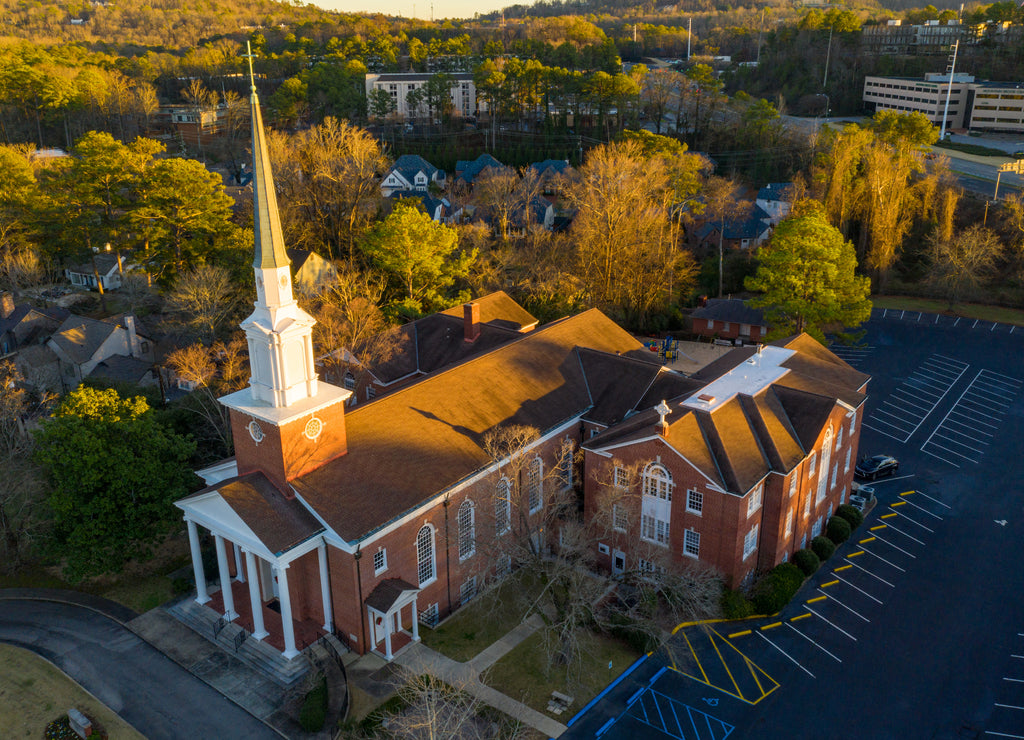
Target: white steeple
point(280, 334)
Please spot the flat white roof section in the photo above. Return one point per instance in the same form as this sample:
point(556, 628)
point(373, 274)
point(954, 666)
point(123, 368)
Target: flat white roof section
point(750, 377)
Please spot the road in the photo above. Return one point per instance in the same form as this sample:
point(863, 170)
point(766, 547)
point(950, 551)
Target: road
point(147, 689)
point(915, 627)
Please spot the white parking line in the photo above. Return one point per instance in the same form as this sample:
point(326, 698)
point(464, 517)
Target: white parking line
point(903, 401)
point(897, 529)
point(896, 547)
point(914, 521)
point(968, 426)
point(952, 441)
point(869, 573)
point(761, 635)
point(972, 419)
point(1008, 399)
point(869, 552)
point(887, 434)
point(812, 642)
point(837, 601)
point(858, 588)
point(830, 623)
point(940, 457)
point(911, 503)
point(1003, 734)
point(1006, 377)
point(1015, 680)
point(1009, 706)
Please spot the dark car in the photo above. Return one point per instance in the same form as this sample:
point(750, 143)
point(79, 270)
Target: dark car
point(873, 467)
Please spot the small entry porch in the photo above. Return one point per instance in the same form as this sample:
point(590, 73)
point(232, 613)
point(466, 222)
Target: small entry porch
point(386, 611)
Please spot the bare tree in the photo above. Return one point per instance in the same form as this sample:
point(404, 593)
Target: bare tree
point(963, 262)
point(722, 207)
point(203, 300)
point(506, 196)
point(661, 88)
point(21, 488)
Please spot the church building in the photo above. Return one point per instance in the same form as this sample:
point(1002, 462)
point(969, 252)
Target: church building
point(364, 520)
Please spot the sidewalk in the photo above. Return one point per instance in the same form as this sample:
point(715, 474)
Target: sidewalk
point(375, 677)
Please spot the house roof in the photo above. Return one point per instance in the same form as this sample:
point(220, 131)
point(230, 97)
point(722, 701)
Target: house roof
point(550, 167)
point(775, 191)
point(733, 310)
point(387, 593)
point(408, 165)
point(499, 309)
point(79, 337)
point(24, 315)
point(742, 438)
point(106, 262)
point(413, 444)
point(469, 170)
point(122, 369)
point(298, 257)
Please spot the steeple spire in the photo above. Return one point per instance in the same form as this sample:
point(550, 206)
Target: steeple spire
point(270, 251)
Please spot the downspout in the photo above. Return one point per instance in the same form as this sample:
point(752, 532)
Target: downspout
point(447, 556)
point(359, 585)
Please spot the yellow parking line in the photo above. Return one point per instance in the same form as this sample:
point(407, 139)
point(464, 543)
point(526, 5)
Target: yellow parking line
point(887, 516)
point(740, 634)
point(726, 667)
point(907, 493)
point(800, 616)
point(830, 583)
point(879, 526)
point(855, 554)
point(697, 659)
point(817, 598)
point(750, 667)
point(770, 626)
point(869, 539)
point(897, 503)
point(842, 567)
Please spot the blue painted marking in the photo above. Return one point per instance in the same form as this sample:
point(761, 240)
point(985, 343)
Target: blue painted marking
point(657, 675)
point(607, 688)
point(606, 726)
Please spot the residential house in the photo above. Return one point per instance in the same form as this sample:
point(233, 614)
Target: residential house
point(311, 271)
point(24, 330)
point(81, 343)
point(742, 233)
point(775, 199)
point(468, 170)
point(365, 521)
point(107, 265)
point(729, 318)
point(410, 174)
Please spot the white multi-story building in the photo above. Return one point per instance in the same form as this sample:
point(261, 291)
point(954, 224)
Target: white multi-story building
point(400, 84)
point(978, 106)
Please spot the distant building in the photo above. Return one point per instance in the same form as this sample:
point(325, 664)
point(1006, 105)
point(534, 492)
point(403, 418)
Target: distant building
point(399, 84)
point(775, 199)
point(108, 265)
point(411, 174)
point(973, 105)
point(729, 318)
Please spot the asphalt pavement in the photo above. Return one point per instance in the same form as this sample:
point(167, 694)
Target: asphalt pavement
point(915, 627)
point(147, 689)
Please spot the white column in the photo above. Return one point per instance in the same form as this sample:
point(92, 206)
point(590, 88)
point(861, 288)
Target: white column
point(197, 563)
point(415, 621)
point(388, 626)
point(239, 573)
point(259, 631)
point(325, 593)
point(281, 571)
point(225, 580)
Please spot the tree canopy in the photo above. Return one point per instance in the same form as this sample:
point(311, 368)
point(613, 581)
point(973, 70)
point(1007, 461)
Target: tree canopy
point(114, 472)
point(806, 277)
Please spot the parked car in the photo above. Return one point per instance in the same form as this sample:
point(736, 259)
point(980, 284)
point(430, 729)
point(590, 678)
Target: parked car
point(873, 467)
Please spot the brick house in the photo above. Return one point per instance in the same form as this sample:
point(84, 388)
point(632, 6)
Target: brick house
point(729, 318)
point(365, 521)
point(739, 473)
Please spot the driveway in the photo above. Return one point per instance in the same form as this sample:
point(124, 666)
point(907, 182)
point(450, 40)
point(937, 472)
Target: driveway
point(147, 689)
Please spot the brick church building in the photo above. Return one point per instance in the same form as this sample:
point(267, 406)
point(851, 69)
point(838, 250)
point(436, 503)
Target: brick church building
point(365, 520)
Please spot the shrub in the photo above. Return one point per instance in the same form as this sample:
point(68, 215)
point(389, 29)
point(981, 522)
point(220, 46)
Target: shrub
point(735, 605)
point(775, 590)
point(823, 547)
point(851, 514)
point(314, 708)
point(838, 530)
point(806, 561)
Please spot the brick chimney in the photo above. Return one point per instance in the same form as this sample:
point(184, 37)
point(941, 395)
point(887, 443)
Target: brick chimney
point(6, 304)
point(471, 321)
point(134, 347)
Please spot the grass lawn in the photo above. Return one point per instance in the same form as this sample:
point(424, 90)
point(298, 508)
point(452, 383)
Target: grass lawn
point(524, 675)
point(480, 623)
point(977, 149)
point(33, 693)
point(967, 310)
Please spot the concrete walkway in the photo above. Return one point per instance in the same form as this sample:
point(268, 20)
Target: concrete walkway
point(419, 659)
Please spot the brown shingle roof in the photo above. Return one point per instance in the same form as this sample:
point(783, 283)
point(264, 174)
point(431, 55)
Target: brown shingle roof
point(420, 440)
point(498, 309)
point(387, 592)
point(616, 383)
point(79, 337)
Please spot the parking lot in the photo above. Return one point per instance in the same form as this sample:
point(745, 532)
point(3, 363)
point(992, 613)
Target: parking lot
point(915, 627)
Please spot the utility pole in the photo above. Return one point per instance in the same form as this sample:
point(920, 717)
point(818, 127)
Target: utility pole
point(828, 56)
point(689, 35)
point(760, 31)
point(949, 90)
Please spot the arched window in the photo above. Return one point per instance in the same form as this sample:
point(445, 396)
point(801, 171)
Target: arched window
point(350, 381)
point(467, 530)
point(425, 554)
point(502, 506)
point(534, 481)
point(565, 464)
point(658, 481)
point(826, 456)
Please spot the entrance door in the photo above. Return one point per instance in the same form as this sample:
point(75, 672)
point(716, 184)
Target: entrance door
point(618, 562)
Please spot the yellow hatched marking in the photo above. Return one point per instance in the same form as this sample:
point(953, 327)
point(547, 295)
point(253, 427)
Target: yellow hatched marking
point(739, 634)
point(869, 539)
point(842, 567)
point(726, 667)
point(855, 554)
point(751, 666)
point(887, 516)
point(696, 659)
point(770, 626)
point(800, 616)
point(879, 526)
point(830, 583)
point(816, 598)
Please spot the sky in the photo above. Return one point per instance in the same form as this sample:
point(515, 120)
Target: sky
point(419, 8)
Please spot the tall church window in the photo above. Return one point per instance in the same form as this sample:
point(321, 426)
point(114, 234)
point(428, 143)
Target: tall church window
point(826, 455)
point(425, 555)
point(467, 530)
point(534, 480)
point(656, 510)
point(502, 506)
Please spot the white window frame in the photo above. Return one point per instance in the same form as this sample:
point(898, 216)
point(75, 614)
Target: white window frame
point(466, 519)
point(812, 463)
point(565, 464)
point(425, 556)
point(839, 438)
point(826, 459)
point(468, 585)
point(620, 521)
point(534, 484)
point(750, 542)
point(849, 452)
point(691, 543)
point(503, 506)
point(382, 556)
point(816, 528)
point(654, 530)
point(835, 475)
point(807, 505)
point(694, 501)
point(621, 479)
point(754, 502)
point(789, 523)
point(853, 422)
point(658, 482)
point(656, 509)
point(793, 483)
